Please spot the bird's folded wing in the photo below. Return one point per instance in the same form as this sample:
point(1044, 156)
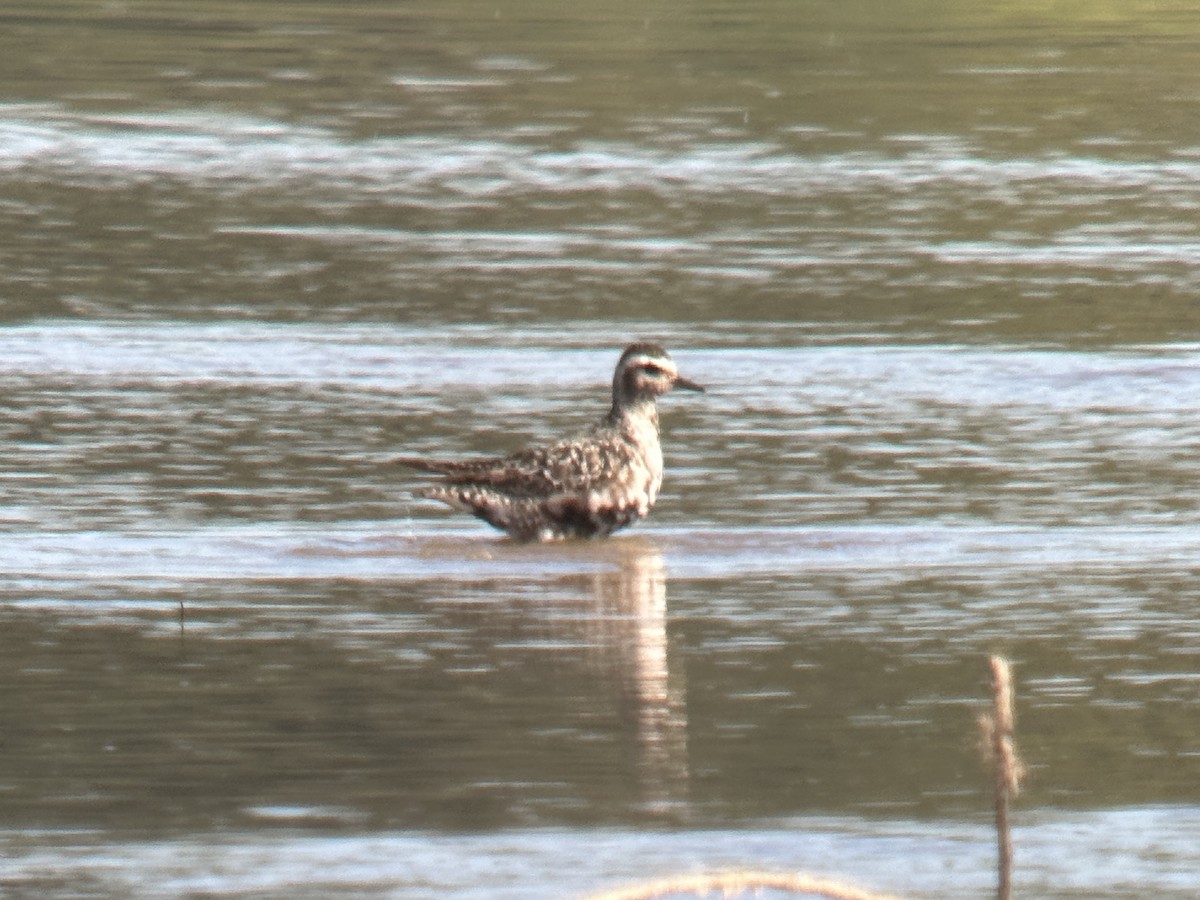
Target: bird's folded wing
point(568, 466)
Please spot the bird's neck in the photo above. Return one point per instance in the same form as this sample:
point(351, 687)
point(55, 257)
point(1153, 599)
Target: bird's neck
point(638, 413)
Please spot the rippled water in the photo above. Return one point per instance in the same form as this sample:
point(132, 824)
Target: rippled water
point(938, 275)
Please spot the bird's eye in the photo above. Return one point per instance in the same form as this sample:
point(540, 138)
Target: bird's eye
point(652, 370)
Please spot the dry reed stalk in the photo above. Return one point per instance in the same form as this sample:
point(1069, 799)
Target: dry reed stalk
point(732, 883)
point(1000, 752)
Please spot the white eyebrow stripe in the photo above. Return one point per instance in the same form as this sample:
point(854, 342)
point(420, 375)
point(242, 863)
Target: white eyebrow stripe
point(635, 361)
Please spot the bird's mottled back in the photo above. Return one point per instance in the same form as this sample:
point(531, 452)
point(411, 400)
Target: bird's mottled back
point(587, 486)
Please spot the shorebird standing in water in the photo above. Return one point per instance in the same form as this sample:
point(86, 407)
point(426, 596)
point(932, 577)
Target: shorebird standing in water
point(588, 486)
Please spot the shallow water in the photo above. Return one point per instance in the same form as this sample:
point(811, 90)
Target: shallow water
point(937, 271)
point(222, 643)
point(1137, 847)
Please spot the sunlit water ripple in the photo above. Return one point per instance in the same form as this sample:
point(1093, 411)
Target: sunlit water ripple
point(898, 199)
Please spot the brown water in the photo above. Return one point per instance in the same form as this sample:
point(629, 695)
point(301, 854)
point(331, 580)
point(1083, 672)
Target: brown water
point(938, 268)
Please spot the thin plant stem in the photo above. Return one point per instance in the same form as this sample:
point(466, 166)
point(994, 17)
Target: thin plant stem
point(999, 747)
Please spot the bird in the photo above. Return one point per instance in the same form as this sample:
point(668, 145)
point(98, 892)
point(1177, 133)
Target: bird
point(587, 486)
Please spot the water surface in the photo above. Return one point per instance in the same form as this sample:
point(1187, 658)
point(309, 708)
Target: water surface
point(937, 269)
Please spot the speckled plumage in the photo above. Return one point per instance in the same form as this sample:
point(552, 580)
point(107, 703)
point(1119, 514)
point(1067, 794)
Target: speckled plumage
point(587, 486)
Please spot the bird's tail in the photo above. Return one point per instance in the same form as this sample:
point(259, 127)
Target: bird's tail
point(439, 467)
point(418, 462)
point(454, 470)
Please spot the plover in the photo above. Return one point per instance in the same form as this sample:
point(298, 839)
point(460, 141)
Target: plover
point(587, 486)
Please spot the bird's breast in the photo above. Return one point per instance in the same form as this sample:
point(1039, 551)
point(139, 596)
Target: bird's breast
point(637, 483)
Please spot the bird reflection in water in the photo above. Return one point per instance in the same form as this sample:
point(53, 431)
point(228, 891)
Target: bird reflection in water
point(632, 647)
